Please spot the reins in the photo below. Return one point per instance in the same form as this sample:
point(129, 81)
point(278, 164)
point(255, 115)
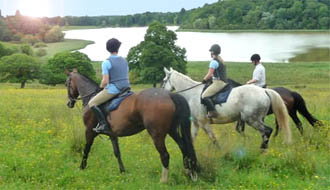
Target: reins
point(188, 88)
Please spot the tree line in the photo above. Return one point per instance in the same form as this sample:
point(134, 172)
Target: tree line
point(147, 60)
point(223, 15)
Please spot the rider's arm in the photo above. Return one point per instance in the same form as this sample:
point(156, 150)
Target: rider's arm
point(213, 65)
point(209, 74)
point(106, 66)
point(251, 81)
point(105, 81)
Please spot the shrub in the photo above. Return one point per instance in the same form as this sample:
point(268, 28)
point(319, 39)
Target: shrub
point(41, 52)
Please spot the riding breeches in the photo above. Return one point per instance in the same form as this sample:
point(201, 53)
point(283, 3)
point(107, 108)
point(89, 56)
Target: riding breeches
point(100, 98)
point(215, 87)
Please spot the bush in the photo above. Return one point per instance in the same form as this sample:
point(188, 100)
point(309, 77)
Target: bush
point(30, 39)
point(27, 49)
point(54, 35)
point(54, 71)
point(5, 50)
point(39, 45)
point(41, 52)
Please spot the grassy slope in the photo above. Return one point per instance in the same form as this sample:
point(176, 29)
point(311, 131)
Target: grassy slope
point(66, 45)
point(41, 142)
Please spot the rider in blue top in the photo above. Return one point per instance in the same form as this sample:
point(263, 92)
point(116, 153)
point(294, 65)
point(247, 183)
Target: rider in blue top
point(114, 79)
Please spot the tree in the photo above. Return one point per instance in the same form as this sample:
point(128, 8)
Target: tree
point(54, 35)
point(54, 71)
point(19, 68)
point(158, 50)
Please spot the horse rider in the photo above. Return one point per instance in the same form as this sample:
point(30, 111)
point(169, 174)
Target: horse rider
point(217, 72)
point(259, 73)
point(114, 79)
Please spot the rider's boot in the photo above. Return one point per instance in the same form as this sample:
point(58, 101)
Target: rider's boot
point(212, 113)
point(102, 126)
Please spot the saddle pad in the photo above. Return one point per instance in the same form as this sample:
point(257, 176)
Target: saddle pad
point(222, 96)
point(114, 103)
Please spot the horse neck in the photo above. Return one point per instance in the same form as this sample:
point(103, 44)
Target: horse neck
point(181, 82)
point(86, 88)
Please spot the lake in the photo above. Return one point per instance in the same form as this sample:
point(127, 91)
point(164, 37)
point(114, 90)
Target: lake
point(236, 46)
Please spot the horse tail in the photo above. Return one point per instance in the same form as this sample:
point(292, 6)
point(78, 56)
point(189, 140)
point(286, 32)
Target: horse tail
point(300, 105)
point(281, 113)
point(182, 122)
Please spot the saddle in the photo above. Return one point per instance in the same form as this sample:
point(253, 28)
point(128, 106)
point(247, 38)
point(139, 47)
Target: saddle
point(114, 103)
point(221, 96)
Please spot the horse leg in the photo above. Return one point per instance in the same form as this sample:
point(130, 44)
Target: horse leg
point(116, 151)
point(159, 142)
point(264, 130)
point(90, 136)
point(184, 147)
point(293, 115)
point(175, 136)
point(208, 130)
point(194, 130)
point(240, 126)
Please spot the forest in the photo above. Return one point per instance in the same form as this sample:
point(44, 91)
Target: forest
point(223, 15)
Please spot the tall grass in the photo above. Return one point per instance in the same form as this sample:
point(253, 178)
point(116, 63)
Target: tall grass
point(41, 142)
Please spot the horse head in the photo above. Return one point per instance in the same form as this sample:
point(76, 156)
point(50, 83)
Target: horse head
point(167, 85)
point(72, 89)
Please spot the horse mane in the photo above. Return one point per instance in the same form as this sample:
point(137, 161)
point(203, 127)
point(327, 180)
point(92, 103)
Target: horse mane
point(185, 77)
point(233, 83)
point(88, 79)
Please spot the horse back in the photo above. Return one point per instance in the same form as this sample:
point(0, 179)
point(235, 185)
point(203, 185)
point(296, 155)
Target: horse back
point(151, 107)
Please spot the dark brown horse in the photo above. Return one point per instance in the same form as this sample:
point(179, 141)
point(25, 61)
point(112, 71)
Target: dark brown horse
point(156, 110)
point(293, 101)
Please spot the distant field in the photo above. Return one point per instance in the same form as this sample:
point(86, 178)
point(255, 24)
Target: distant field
point(66, 45)
point(64, 28)
point(41, 142)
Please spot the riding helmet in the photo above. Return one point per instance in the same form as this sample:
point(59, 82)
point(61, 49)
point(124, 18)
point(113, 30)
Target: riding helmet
point(215, 48)
point(255, 57)
point(113, 45)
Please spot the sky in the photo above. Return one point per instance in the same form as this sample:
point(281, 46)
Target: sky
point(51, 8)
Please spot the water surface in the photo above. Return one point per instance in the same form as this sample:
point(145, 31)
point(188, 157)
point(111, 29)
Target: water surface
point(236, 47)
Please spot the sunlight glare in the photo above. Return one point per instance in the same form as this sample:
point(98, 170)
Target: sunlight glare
point(34, 8)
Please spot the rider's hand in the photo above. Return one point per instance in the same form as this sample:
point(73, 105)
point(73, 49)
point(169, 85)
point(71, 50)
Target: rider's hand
point(204, 81)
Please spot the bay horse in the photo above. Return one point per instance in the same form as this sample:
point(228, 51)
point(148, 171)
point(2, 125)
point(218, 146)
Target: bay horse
point(294, 102)
point(156, 110)
point(247, 103)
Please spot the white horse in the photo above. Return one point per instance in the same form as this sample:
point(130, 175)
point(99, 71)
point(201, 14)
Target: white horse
point(247, 103)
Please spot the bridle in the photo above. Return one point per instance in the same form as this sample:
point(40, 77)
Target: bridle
point(78, 98)
point(169, 81)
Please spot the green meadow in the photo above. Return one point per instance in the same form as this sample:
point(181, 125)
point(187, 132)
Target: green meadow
point(41, 142)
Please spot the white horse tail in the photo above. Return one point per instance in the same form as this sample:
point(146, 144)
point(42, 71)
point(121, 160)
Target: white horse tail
point(281, 113)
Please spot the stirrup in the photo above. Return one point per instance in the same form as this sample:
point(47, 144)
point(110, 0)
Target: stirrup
point(101, 129)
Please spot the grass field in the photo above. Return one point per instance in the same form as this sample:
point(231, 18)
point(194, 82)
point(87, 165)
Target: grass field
point(41, 142)
point(66, 45)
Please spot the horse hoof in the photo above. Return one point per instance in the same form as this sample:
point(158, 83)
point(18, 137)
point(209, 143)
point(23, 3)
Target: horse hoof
point(193, 176)
point(264, 151)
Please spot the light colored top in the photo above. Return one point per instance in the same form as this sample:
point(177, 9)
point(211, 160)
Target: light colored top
point(106, 66)
point(214, 64)
point(259, 74)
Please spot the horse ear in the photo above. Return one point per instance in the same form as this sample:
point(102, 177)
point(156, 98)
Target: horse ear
point(171, 69)
point(165, 70)
point(67, 72)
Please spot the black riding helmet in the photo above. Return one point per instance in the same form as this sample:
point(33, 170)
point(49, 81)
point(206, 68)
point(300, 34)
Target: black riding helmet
point(215, 48)
point(113, 45)
point(255, 57)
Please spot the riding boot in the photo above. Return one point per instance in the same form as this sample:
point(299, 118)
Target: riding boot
point(212, 113)
point(102, 126)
